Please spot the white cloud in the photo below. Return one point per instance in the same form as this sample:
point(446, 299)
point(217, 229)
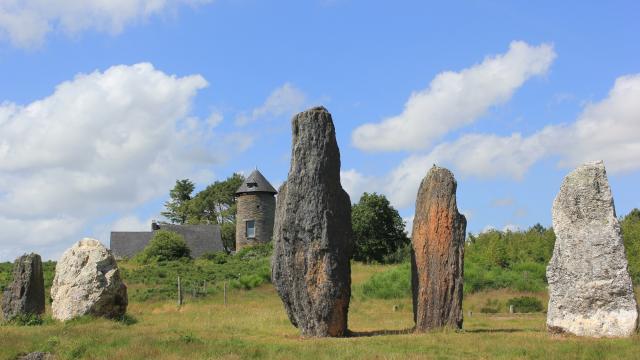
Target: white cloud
point(606, 130)
point(131, 223)
point(26, 23)
point(102, 143)
point(284, 100)
point(455, 99)
point(355, 184)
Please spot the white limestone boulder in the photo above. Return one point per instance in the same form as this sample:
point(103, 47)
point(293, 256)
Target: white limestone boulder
point(590, 290)
point(88, 282)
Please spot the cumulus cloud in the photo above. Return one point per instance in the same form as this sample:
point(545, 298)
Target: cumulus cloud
point(606, 130)
point(101, 143)
point(455, 99)
point(284, 100)
point(26, 23)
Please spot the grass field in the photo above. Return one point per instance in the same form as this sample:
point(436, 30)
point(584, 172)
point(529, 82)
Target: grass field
point(254, 325)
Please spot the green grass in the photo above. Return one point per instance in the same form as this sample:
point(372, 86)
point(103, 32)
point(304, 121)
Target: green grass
point(254, 325)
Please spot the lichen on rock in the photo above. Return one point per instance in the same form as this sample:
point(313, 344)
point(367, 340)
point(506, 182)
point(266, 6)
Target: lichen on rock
point(590, 290)
point(312, 234)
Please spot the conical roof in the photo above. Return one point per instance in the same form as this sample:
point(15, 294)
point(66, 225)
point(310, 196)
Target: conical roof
point(255, 182)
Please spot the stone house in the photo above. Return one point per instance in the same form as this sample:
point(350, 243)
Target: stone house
point(201, 239)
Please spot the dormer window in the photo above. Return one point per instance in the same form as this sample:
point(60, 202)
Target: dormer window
point(252, 184)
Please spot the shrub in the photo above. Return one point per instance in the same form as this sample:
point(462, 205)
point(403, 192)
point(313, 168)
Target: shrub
point(394, 283)
point(216, 257)
point(165, 246)
point(525, 304)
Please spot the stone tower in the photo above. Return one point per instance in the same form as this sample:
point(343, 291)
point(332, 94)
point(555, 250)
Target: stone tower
point(256, 210)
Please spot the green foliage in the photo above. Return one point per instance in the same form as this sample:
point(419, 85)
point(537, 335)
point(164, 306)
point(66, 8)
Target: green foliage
point(216, 204)
point(217, 257)
point(525, 304)
point(378, 229)
point(249, 268)
point(26, 320)
point(178, 206)
point(630, 226)
point(164, 246)
point(394, 283)
point(512, 259)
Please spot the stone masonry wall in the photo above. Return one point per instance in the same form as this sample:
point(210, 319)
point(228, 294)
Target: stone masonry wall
point(259, 207)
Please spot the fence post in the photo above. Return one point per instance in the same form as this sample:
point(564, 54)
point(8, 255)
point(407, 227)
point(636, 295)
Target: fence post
point(225, 293)
point(179, 292)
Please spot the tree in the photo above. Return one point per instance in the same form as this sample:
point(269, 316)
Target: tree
point(178, 206)
point(217, 205)
point(630, 226)
point(378, 229)
point(166, 245)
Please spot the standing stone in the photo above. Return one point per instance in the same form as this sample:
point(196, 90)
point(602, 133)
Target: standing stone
point(25, 295)
point(312, 235)
point(438, 253)
point(87, 282)
point(590, 290)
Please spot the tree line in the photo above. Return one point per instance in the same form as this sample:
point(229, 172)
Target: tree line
point(493, 259)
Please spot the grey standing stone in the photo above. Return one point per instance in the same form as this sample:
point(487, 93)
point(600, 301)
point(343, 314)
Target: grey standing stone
point(25, 294)
point(438, 253)
point(312, 235)
point(590, 290)
point(87, 282)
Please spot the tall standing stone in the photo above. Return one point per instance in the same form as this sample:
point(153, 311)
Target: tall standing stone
point(312, 234)
point(590, 290)
point(88, 282)
point(438, 253)
point(25, 294)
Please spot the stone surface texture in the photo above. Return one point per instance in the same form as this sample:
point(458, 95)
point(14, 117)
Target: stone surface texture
point(590, 290)
point(312, 236)
point(438, 253)
point(88, 282)
point(259, 207)
point(25, 294)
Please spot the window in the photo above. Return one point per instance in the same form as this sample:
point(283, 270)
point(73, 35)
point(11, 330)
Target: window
point(251, 228)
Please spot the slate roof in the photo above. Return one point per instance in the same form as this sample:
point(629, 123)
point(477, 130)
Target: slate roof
point(255, 182)
point(201, 239)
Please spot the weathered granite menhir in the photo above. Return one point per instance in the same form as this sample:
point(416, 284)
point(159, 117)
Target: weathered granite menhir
point(88, 282)
point(25, 294)
point(438, 253)
point(312, 235)
point(590, 290)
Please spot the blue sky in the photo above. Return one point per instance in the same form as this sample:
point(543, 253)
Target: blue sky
point(103, 105)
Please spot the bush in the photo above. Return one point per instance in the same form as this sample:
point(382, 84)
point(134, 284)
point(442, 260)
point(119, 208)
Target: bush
point(525, 304)
point(394, 283)
point(165, 246)
point(216, 257)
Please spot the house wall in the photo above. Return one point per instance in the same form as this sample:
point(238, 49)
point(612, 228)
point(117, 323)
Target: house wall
point(261, 208)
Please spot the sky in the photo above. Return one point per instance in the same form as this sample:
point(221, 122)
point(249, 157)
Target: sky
point(105, 104)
